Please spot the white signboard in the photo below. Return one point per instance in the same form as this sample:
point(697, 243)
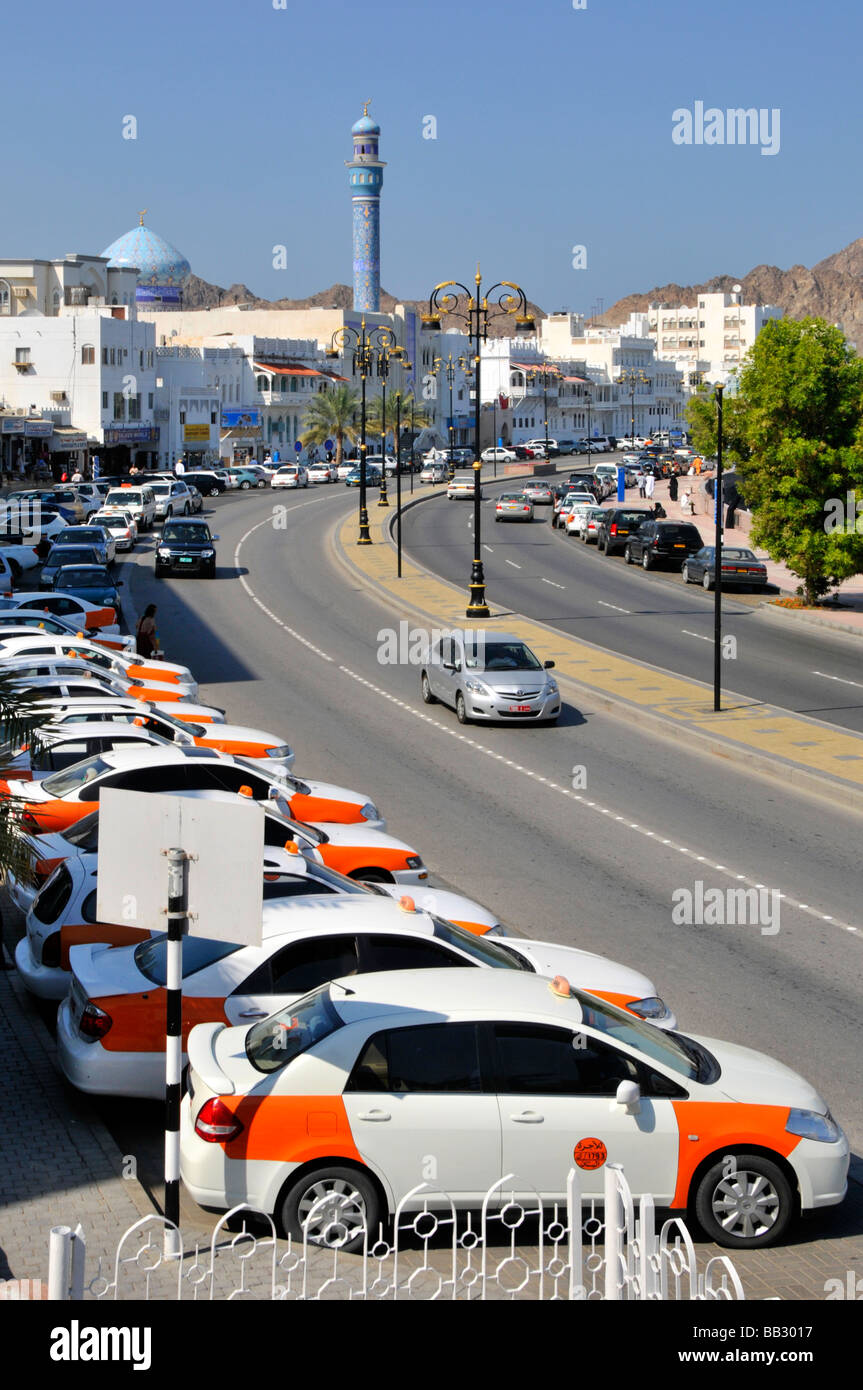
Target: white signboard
point(225, 879)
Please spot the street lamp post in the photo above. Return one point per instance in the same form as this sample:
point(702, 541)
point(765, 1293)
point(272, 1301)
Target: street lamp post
point(512, 301)
point(717, 551)
point(632, 377)
point(544, 374)
point(367, 347)
point(589, 398)
point(448, 367)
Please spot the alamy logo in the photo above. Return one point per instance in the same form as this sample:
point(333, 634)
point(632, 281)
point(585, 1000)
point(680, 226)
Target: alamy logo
point(77, 1343)
point(738, 125)
point(717, 907)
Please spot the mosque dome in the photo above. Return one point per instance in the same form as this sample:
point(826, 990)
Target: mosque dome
point(157, 261)
point(365, 126)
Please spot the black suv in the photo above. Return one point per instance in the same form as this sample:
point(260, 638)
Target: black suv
point(668, 542)
point(186, 547)
point(208, 484)
point(617, 524)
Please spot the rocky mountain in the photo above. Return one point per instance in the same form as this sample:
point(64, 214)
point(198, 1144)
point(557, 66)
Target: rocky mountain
point(200, 294)
point(832, 289)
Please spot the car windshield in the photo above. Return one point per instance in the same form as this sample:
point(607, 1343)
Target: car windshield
point(277, 1040)
point(78, 775)
point(736, 553)
point(512, 497)
point(185, 533)
point(501, 656)
point(198, 952)
point(122, 498)
point(479, 948)
point(161, 489)
point(184, 726)
point(84, 834)
point(680, 1054)
point(83, 579)
point(72, 555)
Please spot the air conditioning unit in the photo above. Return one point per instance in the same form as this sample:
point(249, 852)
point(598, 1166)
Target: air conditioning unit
point(59, 396)
point(20, 410)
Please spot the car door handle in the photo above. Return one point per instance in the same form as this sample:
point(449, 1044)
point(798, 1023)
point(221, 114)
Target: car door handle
point(528, 1117)
point(254, 1013)
point(374, 1115)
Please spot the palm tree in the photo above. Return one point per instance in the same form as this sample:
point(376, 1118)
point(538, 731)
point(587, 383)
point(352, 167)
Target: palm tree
point(20, 717)
point(376, 424)
point(332, 414)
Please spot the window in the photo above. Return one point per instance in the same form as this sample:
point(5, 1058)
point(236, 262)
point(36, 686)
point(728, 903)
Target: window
point(261, 383)
point(390, 952)
point(135, 407)
point(212, 413)
point(149, 400)
point(182, 417)
point(275, 1041)
point(141, 358)
point(104, 357)
point(5, 298)
point(293, 383)
point(22, 354)
point(49, 903)
point(198, 953)
point(113, 357)
point(88, 355)
point(104, 400)
point(119, 406)
point(441, 1057)
point(536, 1060)
point(303, 966)
point(55, 301)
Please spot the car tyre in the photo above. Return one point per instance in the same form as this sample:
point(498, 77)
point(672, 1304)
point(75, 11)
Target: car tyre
point(706, 581)
point(646, 562)
point(353, 1205)
point(685, 573)
point(755, 1180)
point(627, 554)
point(186, 509)
point(214, 492)
point(461, 709)
point(426, 690)
point(245, 485)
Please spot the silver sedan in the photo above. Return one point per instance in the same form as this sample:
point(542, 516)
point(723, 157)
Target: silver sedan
point(489, 677)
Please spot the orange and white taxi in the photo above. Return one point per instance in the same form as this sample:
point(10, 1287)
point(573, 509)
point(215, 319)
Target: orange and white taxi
point(128, 665)
point(111, 1028)
point(65, 797)
point(325, 1114)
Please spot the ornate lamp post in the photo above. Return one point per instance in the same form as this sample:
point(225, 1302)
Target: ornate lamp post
point(589, 398)
point(447, 367)
point(631, 377)
point(506, 298)
point(367, 348)
point(544, 376)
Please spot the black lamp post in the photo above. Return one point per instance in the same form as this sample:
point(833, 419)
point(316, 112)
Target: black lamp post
point(367, 348)
point(545, 375)
point(589, 398)
point(632, 377)
point(447, 366)
point(510, 300)
point(717, 551)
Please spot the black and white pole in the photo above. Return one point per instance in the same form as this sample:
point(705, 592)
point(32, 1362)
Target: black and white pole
point(177, 915)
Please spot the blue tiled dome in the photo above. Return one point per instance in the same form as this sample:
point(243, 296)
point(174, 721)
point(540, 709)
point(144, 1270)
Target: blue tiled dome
point(158, 262)
point(365, 126)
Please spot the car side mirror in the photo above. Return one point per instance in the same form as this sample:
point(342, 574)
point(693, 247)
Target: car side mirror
point(448, 665)
point(548, 665)
point(215, 538)
point(628, 1096)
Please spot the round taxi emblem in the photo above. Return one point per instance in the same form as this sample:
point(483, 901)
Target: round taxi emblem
point(590, 1153)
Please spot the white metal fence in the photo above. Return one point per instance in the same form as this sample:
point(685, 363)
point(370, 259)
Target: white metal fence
point(511, 1249)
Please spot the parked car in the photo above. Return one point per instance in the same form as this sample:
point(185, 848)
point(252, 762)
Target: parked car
point(60, 555)
point(171, 499)
point(498, 455)
point(739, 567)
point(137, 500)
point(92, 582)
point(92, 534)
point(657, 542)
point(322, 473)
point(434, 473)
point(208, 484)
point(247, 478)
point(290, 475)
point(373, 477)
point(617, 525)
point(121, 526)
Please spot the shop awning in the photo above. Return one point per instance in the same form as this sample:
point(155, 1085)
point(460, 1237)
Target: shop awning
point(297, 371)
point(66, 438)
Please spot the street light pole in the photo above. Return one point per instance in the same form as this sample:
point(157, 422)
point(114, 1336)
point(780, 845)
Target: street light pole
point(368, 346)
point(383, 372)
point(589, 400)
point(717, 586)
point(511, 301)
point(399, 482)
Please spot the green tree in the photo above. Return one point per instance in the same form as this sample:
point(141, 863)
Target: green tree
point(801, 395)
point(376, 424)
point(701, 424)
point(332, 414)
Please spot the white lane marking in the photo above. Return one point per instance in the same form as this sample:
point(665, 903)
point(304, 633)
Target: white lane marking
point(614, 606)
point(514, 565)
point(699, 635)
point(553, 585)
point(488, 547)
point(840, 679)
point(454, 733)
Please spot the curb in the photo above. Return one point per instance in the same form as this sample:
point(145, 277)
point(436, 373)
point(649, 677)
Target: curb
point(790, 616)
point(802, 779)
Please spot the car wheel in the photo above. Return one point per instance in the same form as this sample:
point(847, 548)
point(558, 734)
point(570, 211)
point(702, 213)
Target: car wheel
point(262, 483)
point(371, 876)
point(214, 492)
point(749, 1207)
point(645, 560)
point(426, 690)
point(348, 1206)
point(186, 510)
point(169, 513)
point(706, 581)
point(685, 573)
point(245, 485)
point(460, 709)
point(627, 554)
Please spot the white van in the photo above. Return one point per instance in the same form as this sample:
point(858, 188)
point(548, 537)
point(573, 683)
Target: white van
point(137, 500)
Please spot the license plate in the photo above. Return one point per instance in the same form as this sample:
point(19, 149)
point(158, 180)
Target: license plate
point(679, 547)
point(186, 560)
point(519, 709)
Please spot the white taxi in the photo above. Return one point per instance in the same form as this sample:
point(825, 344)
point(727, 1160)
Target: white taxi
point(111, 1028)
point(324, 1112)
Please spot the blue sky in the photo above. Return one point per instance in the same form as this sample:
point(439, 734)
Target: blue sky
point(553, 130)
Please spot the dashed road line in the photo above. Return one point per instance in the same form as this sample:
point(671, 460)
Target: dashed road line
point(514, 565)
point(840, 679)
point(552, 583)
point(614, 606)
point(567, 792)
point(699, 635)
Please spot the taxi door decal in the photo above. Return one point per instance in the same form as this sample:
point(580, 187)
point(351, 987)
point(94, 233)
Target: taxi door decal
point(318, 808)
point(291, 1129)
point(707, 1127)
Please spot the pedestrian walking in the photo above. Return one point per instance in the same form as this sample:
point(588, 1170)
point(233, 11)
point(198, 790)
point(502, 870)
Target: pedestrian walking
point(145, 633)
point(96, 468)
point(686, 502)
point(649, 485)
point(672, 488)
point(642, 480)
point(179, 467)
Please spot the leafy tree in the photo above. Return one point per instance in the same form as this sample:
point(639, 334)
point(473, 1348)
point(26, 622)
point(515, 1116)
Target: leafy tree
point(701, 424)
point(801, 397)
point(332, 414)
point(377, 424)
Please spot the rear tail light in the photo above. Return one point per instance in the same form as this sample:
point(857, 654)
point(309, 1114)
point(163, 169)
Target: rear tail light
point(94, 1023)
point(216, 1123)
point(51, 951)
point(613, 528)
point(29, 821)
point(43, 868)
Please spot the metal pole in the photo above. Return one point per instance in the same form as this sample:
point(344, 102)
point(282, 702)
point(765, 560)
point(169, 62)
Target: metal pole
point(364, 536)
point(494, 430)
point(177, 915)
point(450, 372)
point(477, 608)
point(545, 407)
point(717, 586)
point(383, 499)
point(413, 437)
point(399, 481)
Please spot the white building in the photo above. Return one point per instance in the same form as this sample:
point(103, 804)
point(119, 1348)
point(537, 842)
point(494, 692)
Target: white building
point(709, 341)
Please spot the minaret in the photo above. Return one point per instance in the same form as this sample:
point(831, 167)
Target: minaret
point(366, 177)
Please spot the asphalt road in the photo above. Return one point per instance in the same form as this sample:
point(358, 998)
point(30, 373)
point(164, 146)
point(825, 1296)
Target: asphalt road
point(285, 640)
point(655, 617)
